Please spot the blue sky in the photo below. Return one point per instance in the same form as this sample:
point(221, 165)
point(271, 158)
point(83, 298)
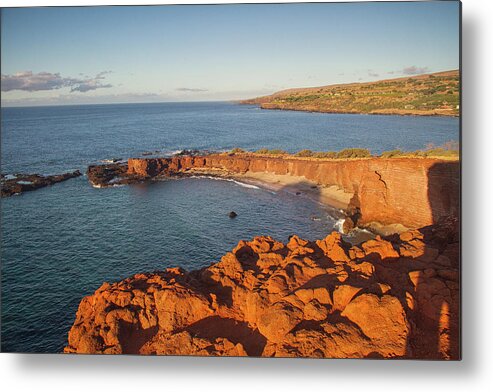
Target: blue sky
point(191, 53)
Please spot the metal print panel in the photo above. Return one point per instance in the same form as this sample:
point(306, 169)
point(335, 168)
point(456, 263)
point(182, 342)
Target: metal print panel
point(265, 180)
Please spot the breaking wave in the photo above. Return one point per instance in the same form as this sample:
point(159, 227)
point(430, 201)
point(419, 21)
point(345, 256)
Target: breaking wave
point(244, 185)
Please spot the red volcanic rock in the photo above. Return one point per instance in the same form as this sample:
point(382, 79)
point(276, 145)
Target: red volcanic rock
point(105, 175)
point(379, 247)
point(302, 299)
point(383, 320)
point(334, 247)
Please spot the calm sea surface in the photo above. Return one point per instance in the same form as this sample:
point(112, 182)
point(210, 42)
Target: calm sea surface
point(60, 243)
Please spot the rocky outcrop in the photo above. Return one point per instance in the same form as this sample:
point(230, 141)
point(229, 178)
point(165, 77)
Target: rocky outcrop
point(393, 297)
point(19, 183)
point(413, 192)
point(101, 176)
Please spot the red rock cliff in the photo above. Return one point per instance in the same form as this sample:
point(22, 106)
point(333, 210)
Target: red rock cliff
point(414, 192)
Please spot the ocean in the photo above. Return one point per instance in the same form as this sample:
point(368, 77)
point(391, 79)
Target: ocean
point(62, 242)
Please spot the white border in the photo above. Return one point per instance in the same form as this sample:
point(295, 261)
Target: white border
point(94, 373)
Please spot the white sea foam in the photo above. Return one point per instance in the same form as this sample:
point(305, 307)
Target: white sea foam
point(338, 225)
point(114, 180)
point(357, 230)
point(113, 160)
point(250, 186)
point(173, 152)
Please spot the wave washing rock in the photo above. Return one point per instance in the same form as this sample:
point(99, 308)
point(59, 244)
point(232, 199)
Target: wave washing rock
point(19, 183)
point(393, 297)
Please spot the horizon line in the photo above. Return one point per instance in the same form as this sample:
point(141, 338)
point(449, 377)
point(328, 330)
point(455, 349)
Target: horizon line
point(232, 100)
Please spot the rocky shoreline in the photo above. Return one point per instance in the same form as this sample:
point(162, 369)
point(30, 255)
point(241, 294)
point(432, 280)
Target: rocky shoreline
point(392, 297)
point(19, 183)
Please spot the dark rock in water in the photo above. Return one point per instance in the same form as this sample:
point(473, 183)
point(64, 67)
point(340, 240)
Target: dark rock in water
point(103, 176)
point(20, 183)
point(353, 214)
point(348, 225)
point(232, 214)
point(298, 193)
point(189, 153)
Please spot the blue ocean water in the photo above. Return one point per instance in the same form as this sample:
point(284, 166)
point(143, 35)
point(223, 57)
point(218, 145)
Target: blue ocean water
point(61, 243)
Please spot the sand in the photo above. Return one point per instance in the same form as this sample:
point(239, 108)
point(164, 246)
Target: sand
point(328, 195)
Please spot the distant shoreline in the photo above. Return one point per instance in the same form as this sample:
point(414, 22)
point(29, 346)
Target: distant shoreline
point(376, 113)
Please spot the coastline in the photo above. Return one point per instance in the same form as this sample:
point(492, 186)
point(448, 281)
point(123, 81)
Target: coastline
point(373, 113)
point(373, 192)
point(435, 94)
point(384, 195)
point(329, 196)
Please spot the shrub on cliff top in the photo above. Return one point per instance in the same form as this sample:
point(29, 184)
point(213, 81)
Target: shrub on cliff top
point(391, 154)
point(354, 153)
point(304, 153)
point(277, 152)
point(237, 150)
point(271, 152)
point(325, 154)
point(449, 149)
point(441, 152)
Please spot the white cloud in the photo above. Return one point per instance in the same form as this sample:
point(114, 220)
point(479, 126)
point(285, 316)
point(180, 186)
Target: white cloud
point(413, 70)
point(42, 81)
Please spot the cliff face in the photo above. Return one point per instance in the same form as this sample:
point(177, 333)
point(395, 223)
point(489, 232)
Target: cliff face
point(411, 191)
point(388, 297)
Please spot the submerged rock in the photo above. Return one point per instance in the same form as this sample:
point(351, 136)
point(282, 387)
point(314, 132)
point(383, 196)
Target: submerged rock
point(232, 214)
point(300, 299)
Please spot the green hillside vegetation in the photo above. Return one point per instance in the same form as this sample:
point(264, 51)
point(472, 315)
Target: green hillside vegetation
point(432, 94)
point(448, 150)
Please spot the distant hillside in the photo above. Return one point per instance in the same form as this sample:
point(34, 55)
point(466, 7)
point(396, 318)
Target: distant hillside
point(431, 94)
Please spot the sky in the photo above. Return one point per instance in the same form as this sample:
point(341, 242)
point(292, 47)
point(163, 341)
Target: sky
point(79, 55)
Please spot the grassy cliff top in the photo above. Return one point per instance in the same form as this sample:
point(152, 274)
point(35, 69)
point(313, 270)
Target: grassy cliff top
point(430, 94)
point(448, 151)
